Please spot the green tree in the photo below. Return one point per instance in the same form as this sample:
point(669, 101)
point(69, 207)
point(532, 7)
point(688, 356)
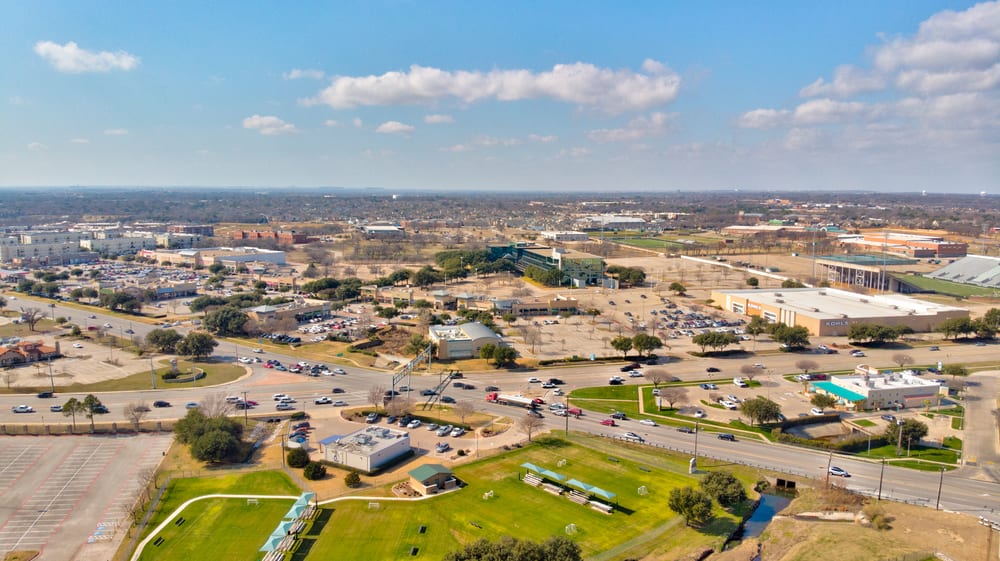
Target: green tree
point(504, 355)
point(91, 406)
point(912, 429)
point(954, 370)
point(297, 458)
point(314, 471)
point(215, 446)
point(644, 343)
point(509, 318)
point(991, 317)
point(715, 340)
point(794, 337)
point(791, 283)
point(164, 340)
point(724, 487)
point(753, 282)
point(227, 321)
point(417, 344)
point(761, 410)
point(71, 408)
point(622, 344)
point(203, 302)
point(955, 327)
point(486, 351)
point(823, 401)
point(427, 276)
point(694, 505)
point(197, 345)
point(555, 548)
point(352, 479)
point(755, 327)
point(677, 288)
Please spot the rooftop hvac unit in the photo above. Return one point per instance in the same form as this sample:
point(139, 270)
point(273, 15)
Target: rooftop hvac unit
point(779, 301)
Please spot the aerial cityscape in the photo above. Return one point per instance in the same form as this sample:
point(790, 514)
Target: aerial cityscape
point(570, 281)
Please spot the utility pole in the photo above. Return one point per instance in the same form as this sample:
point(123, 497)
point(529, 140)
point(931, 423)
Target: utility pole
point(246, 407)
point(880, 474)
point(829, 462)
point(52, 383)
point(152, 372)
point(937, 506)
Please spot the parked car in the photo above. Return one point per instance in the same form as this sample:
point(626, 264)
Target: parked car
point(890, 418)
point(817, 411)
point(432, 427)
point(77, 346)
point(444, 431)
point(457, 432)
point(442, 447)
point(415, 423)
point(699, 413)
point(709, 387)
point(372, 418)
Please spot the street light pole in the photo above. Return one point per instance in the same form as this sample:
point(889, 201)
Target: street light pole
point(937, 505)
point(152, 372)
point(246, 407)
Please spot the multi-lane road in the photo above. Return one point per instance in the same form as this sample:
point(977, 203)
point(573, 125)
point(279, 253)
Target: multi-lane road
point(967, 489)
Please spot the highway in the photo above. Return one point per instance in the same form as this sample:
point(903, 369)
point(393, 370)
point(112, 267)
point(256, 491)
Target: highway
point(959, 490)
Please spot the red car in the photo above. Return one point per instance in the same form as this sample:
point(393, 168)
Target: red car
point(268, 365)
point(609, 423)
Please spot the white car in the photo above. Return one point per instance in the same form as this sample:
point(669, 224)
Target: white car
point(699, 413)
point(817, 411)
point(282, 406)
point(77, 346)
point(634, 374)
point(533, 380)
point(340, 403)
point(108, 326)
point(22, 409)
point(857, 353)
point(245, 360)
point(323, 400)
point(457, 431)
point(257, 350)
point(415, 423)
point(648, 422)
point(727, 404)
point(280, 397)
point(339, 371)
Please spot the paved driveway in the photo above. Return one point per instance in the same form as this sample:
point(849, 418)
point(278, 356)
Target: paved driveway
point(980, 438)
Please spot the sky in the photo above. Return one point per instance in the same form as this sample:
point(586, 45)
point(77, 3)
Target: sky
point(565, 96)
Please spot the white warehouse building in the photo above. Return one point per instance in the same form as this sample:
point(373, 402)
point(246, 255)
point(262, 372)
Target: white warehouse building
point(462, 341)
point(869, 389)
point(367, 449)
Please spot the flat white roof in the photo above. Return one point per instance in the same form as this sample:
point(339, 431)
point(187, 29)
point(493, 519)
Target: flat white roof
point(831, 303)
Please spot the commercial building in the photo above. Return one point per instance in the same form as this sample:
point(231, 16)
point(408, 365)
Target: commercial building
point(830, 312)
point(431, 478)
point(910, 245)
point(298, 311)
point(383, 232)
point(198, 229)
point(578, 268)
point(462, 341)
point(544, 306)
point(230, 256)
point(870, 389)
point(871, 272)
point(45, 248)
point(565, 236)
point(368, 449)
point(117, 245)
point(26, 352)
point(279, 236)
point(611, 222)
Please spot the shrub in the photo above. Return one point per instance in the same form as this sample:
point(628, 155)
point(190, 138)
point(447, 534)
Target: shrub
point(298, 416)
point(724, 488)
point(461, 452)
point(314, 471)
point(169, 376)
point(352, 479)
point(297, 458)
point(878, 517)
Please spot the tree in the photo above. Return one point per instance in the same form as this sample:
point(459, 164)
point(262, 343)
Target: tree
point(197, 344)
point(528, 424)
point(673, 395)
point(822, 400)
point(91, 405)
point(694, 505)
point(677, 288)
point(749, 371)
point(204, 302)
point(31, 316)
point(902, 359)
point(955, 370)
point(509, 318)
point(504, 355)
point(215, 445)
point(760, 410)
point(991, 317)
point(486, 351)
point(375, 395)
point(622, 344)
point(463, 409)
point(314, 471)
point(724, 488)
point(352, 479)
point(135, 412)
point(164, 340)
point(955, 327)
point(755, 327)
point(227, 321)
point(791, 283)
point(555, 548)
point(657, 376)
point(912, 431)
point(71, 408)
point(806, 365)
point(9, 376)
point(297, 458)
point(793, 337)
point(715, 340)
point(417, 344)
point(644, 343)
point(753, 282)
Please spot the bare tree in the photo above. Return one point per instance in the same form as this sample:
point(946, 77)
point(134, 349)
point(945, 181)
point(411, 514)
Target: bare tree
point(532, 336)
point(31, 316)
point(215, 405)
point(463, 409)
point(749, 371)
point(657, 376)
point(528, 424)
point(397, 407)
point(135, 412)
point(673, 394)
point(806, 365)
point(375, 395)
point(147, 480)
point(9, 376)
point(902, 359)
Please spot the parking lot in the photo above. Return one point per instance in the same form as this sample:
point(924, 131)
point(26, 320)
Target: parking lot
point(70, 497)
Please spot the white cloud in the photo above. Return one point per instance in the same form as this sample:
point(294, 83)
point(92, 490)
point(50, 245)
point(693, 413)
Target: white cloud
point(438, 119)
point(640, 127)
point(394, 127)
point(544, 139)
point(71, 58)
point(37, 147)
point(923, 81)
point(763, 118)
point(357, 122)
point(820, 111)
point(580, 83)
point(803, 139)
point(847, 81)
point(268, 125)
point(330, 123)
point(300, 73)
point(490, 141)
point(574, 152)
point(116, 132)
point(80, 140)
point(456, 148)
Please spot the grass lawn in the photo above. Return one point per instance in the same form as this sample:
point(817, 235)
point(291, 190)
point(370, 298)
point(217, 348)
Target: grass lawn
point(947, 287)
point(944, 455)
point(956, 423)
point(218, 529)
point(531, 513)
point(216, 373)
point(864, 423)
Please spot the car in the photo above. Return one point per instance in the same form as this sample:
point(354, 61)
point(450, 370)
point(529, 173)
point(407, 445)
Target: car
point(129, 332)
point(648, 422)
point(890, 418)
point(240, 405)
point(22, 409)
point(46, 395)
point(980, 344)
point(557, 391)
point(933, 348)
point(630, 366)
point(431, 427)
point(560, 412)
point(428, 392)
point(687, 430)
point(731, 405)
point(533, 380)
point(339, 371)
point(414, 423)
point(447, 399)
point(55, 408)
point(191, 405)
point(759, 366)
point(323, 400)
point(726, 436)
point(77, 346)
point(298, 433)
point(405, 388)
point(371, 418)
point(444, 431)
point(712, 369)
point(457, 432)
point(839, 472)
point(615, 382)
point(708, 387)
point(92, 316)
point(556, 381)
point(699, 413)
point(337, 390)
point(140, 408)
point(459, 385)
point(611, 302)
point(548, 385)
point(257, 350)
point(618, 415)
point(633, 437)
point(817, 411)
point(280, 368)
point(656, 391)
point(390, 393)
point(108, 326)
point(469, 386)
point(609, 423)
point(391, 419)
point(733, 398)
point(857, 353)
point(634, 374)
point(301, 439)
point(442, 447)
point(340, 403)
point(100, 408)
point(284, 406)
point(492, 388)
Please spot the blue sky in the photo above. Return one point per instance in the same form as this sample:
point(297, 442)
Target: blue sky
point(893, 95)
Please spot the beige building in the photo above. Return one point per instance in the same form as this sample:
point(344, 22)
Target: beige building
point(830, 312)
point(368, 449)
point(462, 341)
point(870, 389)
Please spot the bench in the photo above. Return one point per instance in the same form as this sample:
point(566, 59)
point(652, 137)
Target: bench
point(532, 479)
point(578, 497)
point(605, 508)
point(554, 489)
